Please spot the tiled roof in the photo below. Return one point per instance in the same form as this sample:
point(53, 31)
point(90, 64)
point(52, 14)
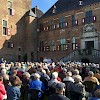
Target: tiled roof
point(66, 5)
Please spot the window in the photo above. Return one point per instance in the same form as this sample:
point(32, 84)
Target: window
point(41, 46)
point(73, 20)
point(53, 48)
point(73, 43)
point(47, 48)
point(19, 48)
point(41, 27)
point(9, 7)
point(89, 17)
point(63, 44)
point(10, 45)
point(5, 27)
point(62, 22)
point(52, 45)
point(83, 20)
point(51, 25)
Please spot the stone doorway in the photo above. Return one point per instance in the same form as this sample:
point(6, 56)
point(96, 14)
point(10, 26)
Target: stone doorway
point(89, 44)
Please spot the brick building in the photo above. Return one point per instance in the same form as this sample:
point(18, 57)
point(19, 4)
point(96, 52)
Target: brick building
point(17, 30)
point(70, 30)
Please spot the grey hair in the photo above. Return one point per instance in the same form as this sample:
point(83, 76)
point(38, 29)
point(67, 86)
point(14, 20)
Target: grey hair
point(90, 73)
point(54, 75)
point(37, 76)
point(26, 74)
point(78, 78)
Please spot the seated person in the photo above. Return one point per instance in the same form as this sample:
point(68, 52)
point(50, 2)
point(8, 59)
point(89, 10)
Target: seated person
point(91, 77)
point(96, 94)
point(59, 93)
point(13, 92)
point(77, 87)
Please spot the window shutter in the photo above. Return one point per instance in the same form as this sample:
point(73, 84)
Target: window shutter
point(94, 18)
point(13, 12)
point(38, 30)
point(44, 48)
point(44, 28)
point(38, 49)
point(66, 47)
point(54, 26)
point(83, 20)
point(47, 28)
point(76, 22)
point(66, 24)
point(68, 41)
point(12, 45)
point(58, 26)
point(8, 32)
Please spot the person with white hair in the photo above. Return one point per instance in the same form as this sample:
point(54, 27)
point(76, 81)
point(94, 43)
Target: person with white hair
point(53, 80)
point(76, 73)
point(36, 83)
point(44, 74)
point(68, 77)
point(77, 87)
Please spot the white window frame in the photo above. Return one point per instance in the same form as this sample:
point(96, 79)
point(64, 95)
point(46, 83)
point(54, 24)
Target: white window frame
point(2, 26)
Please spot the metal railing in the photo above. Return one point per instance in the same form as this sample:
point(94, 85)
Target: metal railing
point(80, 52)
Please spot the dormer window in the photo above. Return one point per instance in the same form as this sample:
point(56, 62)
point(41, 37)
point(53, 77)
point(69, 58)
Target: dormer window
point(54, 9)
point(80, 2)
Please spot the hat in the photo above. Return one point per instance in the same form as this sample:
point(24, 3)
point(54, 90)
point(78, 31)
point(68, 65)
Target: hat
point(60, 86)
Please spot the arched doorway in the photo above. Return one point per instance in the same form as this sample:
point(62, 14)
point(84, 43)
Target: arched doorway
point(89, 37)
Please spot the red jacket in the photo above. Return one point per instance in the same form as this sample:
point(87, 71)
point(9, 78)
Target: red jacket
point(2, 90)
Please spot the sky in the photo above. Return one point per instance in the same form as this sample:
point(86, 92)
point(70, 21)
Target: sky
point(43, 5)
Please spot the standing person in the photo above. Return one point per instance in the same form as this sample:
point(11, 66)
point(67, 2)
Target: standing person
point(59, 93)
point(13, 92)
point(2, 89)
point(25, 85)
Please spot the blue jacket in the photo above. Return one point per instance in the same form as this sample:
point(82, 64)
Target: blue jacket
point(94, 98)
point(36, 84)
point(13, 93)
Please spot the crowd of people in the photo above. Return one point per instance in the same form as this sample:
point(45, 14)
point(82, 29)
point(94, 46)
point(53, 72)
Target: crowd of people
point(49, 81)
